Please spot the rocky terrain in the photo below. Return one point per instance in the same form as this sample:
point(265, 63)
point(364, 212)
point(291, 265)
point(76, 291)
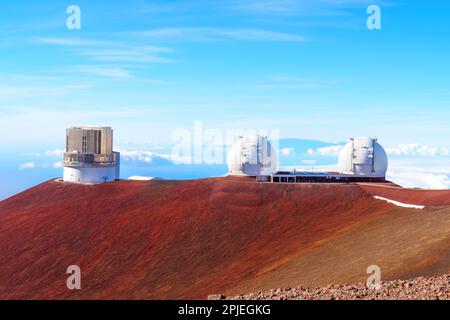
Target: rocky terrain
point(433, 288)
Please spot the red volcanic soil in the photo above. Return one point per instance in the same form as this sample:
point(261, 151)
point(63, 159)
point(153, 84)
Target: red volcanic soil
point(189, 239)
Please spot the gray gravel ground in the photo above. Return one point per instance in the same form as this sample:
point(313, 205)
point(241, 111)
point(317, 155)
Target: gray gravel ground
point(435, 288)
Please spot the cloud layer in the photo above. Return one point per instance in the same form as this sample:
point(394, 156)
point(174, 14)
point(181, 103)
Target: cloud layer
point(415, 149)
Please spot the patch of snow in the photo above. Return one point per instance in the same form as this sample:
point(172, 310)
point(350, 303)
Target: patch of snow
point(400, 204)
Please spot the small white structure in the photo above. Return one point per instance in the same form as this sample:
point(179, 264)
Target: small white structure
point(252, 155)
point(363, 157)
point(89, 156)
point(145, 178)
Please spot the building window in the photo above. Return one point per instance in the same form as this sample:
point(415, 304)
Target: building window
point(99, 142)
point(84, 144)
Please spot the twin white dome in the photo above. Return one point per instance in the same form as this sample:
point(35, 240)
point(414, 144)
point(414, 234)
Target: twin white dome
point(363, 156)
point(252, 155)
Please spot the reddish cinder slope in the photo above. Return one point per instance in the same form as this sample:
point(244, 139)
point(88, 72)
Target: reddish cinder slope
point(411, 196)
point(171, 240)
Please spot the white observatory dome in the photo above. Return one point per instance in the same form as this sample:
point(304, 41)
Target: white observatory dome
point(363, 156)
point(252, 155)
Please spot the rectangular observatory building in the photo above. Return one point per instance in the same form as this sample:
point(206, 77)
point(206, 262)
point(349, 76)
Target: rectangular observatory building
point(89, 156)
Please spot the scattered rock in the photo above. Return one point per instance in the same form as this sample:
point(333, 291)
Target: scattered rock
point(415, 289)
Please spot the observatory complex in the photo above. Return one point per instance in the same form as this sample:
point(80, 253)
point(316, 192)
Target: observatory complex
point(362, 159)
point(89, 156)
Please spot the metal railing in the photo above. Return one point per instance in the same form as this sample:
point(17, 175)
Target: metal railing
point(80, 158)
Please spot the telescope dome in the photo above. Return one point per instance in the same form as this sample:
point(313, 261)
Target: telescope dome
point(363, 156)
point(252, 155)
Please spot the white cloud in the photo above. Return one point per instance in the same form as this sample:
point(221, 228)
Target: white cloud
point(297, 7)
point(58, 165)
point(107, 72)
point(111, 51)
point(20, 91)
point(143, 157)
point(425, 173)
point(410, 149)
point(137, 155)
point(330, 151)
point(33, 165)
point(265, 6)
point(28, 165)
point(150, 158)
point(28, 77)
point(287, 151)
point(423, 180)
point(214, 34)
point(132, 54)
point(408, 172)
point(72, 42)
point(416, 149)
point(55, 153)
point(42, 126)
point(30, 154)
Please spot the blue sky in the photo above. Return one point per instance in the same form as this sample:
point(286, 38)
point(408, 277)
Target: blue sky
point(309, 68)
